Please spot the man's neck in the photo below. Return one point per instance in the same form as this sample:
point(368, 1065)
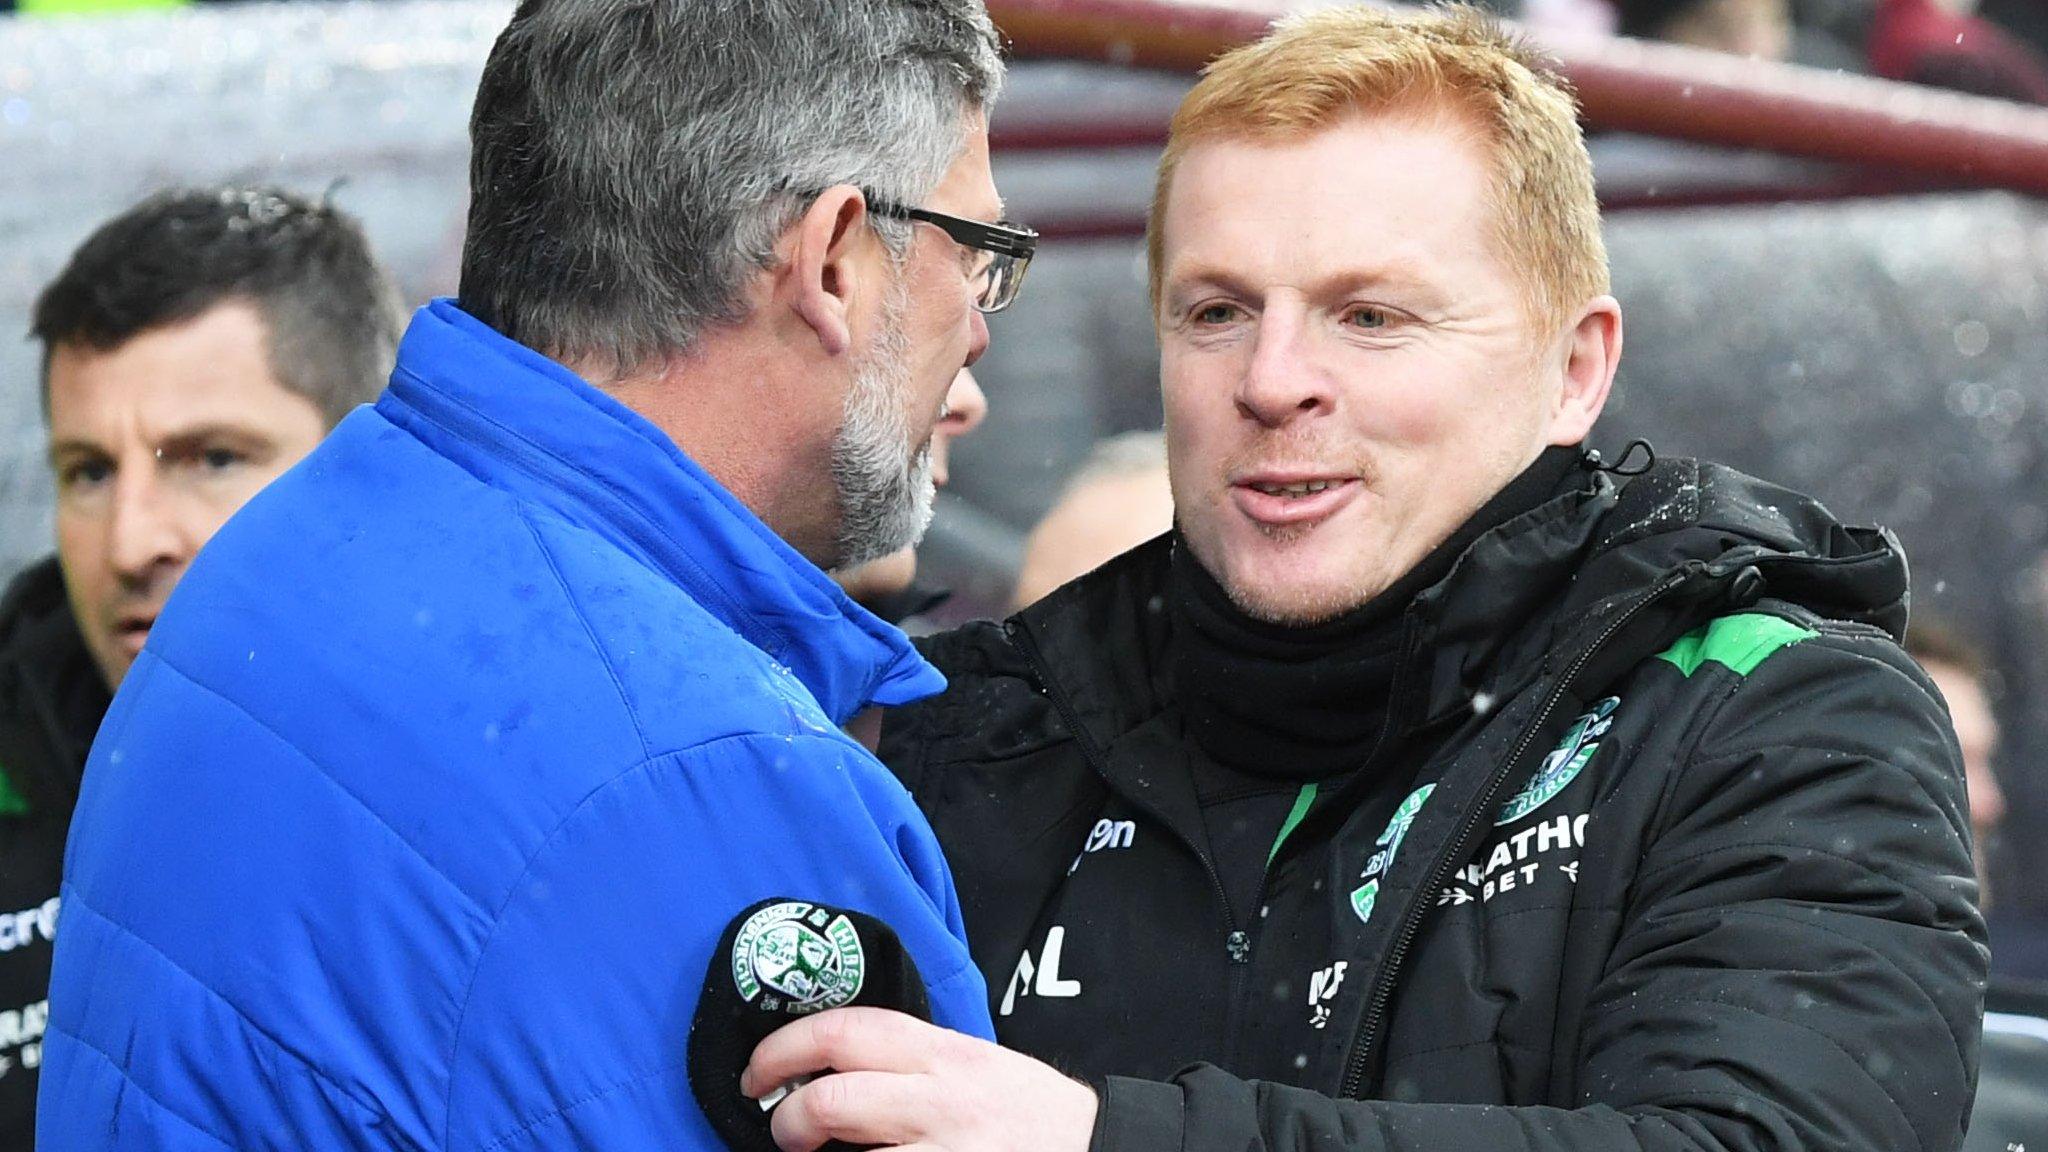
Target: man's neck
point(1310, 702)
point(734, 405)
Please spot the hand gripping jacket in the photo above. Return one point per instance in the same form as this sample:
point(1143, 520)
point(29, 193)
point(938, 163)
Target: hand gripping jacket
point(418, 821)
point(1683, 864)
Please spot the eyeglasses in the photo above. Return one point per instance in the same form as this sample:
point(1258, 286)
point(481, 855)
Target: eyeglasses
point(1005, 250)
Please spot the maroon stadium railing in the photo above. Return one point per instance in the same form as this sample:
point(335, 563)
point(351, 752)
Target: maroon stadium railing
point(1662, 90)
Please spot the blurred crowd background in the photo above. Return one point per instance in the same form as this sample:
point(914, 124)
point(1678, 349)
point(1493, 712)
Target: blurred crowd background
point(1882, 344)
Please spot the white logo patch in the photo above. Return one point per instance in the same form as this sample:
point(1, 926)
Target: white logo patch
point(1105, 835)
point(802, 956)
point(1041, 978)
point(23, 928)
point(1517, 862)
point(1322, 989)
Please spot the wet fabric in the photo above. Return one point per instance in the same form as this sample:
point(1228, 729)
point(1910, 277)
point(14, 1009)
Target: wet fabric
point(419, 817)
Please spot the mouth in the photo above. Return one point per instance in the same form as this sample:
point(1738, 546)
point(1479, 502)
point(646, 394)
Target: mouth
point(132, 632)
point(935, 446)
point(1284, 499)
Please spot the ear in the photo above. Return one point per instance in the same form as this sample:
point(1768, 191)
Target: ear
point(832, 258)
point(1590, 354)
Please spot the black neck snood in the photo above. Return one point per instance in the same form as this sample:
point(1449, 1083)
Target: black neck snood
point(1307, 703)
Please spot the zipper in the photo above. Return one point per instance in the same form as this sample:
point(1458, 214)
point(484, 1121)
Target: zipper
point(1240, 946)
point(1236, 942)
point(1476, 818)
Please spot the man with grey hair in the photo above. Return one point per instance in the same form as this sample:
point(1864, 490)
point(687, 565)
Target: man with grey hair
point(421, 816)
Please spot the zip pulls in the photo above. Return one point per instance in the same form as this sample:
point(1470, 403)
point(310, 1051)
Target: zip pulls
point(1476, 820)
point(1237, 942)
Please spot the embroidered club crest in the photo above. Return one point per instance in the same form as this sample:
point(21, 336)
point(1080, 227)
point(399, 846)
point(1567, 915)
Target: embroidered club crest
point(1564, 764)
point(1367, 894)
point(804, 955)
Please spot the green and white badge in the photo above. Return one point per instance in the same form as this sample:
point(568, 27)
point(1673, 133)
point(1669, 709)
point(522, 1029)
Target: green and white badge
point(802, 957)
point(1367, 894)
point(1564, 764)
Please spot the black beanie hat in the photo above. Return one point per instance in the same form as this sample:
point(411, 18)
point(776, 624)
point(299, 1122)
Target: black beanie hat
point(779, 961)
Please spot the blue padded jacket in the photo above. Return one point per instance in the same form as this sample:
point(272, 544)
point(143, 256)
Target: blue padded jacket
point(418, 819)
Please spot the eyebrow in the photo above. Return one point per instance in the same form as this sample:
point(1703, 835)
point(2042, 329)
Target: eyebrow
point(1403, 273)
point(61, 448)
point(183, 438)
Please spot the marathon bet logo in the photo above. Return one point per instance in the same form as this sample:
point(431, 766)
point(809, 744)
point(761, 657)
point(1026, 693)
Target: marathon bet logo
point(811, 958)
point(1564, 764)
point(1365, 895)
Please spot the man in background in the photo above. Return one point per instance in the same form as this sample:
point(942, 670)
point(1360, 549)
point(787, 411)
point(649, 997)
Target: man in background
point(2019, 939)
point(2011, 1109)
point(1958, 669)
point(1118, 499)
point(1760, 28)
point(196, 346)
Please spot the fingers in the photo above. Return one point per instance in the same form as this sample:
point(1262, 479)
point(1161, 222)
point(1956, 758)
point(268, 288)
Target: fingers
point(848, 1040)
point(871, 1108)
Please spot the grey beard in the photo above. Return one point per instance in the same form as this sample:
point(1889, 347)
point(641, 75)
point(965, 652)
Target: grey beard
point(885, 490)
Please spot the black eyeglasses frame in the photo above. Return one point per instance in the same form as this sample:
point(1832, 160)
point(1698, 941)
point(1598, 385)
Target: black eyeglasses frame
point(1011, 243)
point(1004, 237)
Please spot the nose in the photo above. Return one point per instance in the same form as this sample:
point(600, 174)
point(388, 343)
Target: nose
point(977, 336)
point(1281, 383)
point(966, 407)
point(144, 535)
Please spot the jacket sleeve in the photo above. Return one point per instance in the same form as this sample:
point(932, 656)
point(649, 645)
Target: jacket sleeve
point(575, 1030)
point(1801, 968)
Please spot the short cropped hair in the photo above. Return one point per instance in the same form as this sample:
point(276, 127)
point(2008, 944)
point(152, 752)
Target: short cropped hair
point(332, 317)
point(1316, 70)
point(1931, 640)
point(1125, 454)
point(634, 162)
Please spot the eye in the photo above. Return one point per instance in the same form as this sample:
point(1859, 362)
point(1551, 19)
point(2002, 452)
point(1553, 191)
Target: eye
point(1211, 314)
point(1368, 318)
point(79, 475)
point(203, 460)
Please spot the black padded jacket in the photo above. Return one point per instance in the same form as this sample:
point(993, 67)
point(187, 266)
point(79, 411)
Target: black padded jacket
point(1683, 866)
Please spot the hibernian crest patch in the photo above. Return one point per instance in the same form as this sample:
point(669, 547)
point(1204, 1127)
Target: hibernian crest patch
point(803, 954)
point(1564, 764)
point(1367, 894)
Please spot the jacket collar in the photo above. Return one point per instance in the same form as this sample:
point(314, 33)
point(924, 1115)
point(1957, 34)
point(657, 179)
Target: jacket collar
point(1522, 596)
point(530, 427)
point(48, 679)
